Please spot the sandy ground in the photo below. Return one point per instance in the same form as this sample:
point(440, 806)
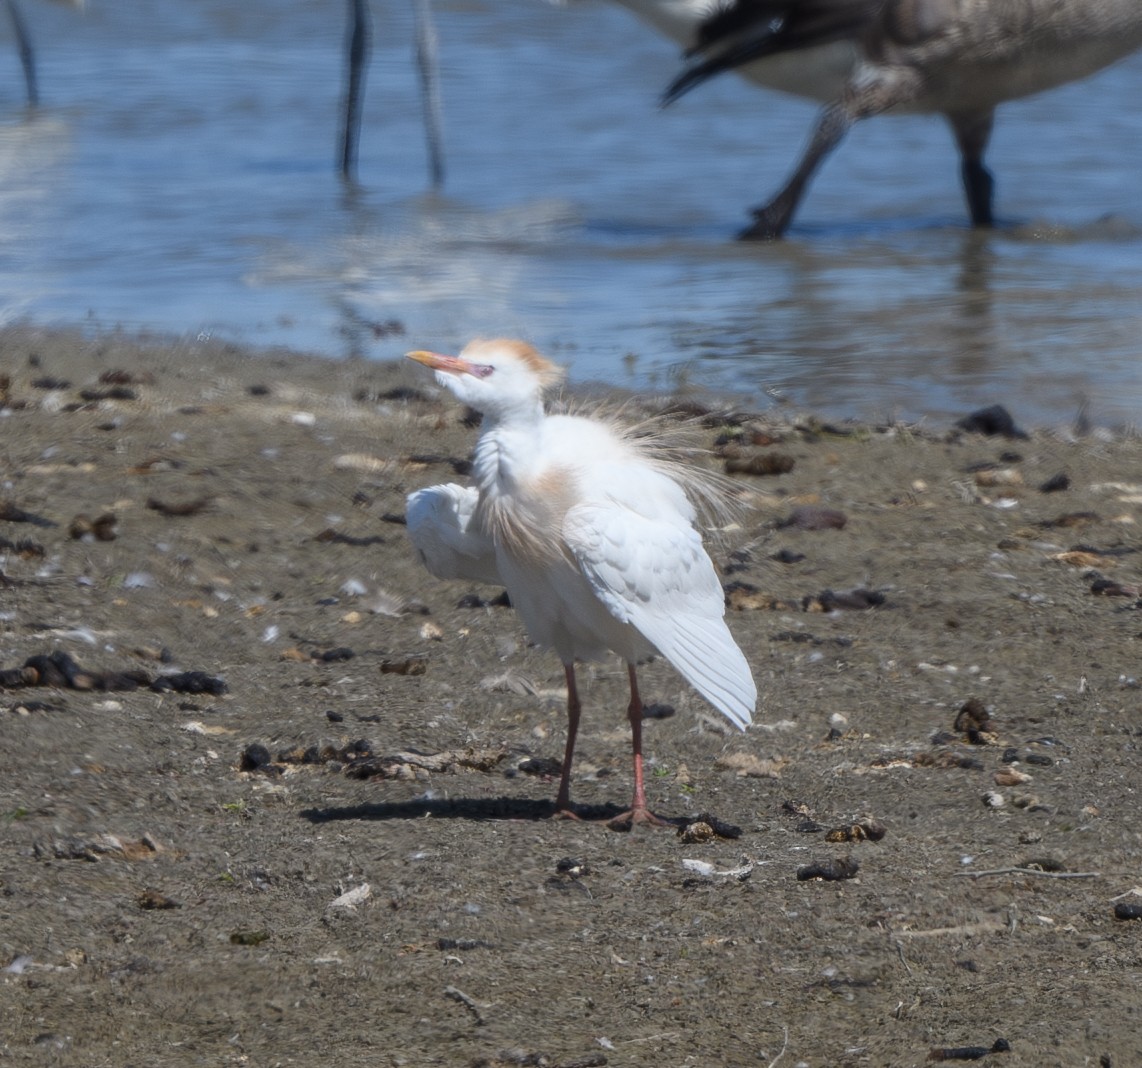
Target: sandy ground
point(389, 890)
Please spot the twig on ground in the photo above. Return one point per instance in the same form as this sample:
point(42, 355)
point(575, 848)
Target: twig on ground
point(784, 1047)
point(467, 1001)
point(1030, 871)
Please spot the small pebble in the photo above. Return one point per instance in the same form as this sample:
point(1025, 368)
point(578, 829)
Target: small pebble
point(830, 870)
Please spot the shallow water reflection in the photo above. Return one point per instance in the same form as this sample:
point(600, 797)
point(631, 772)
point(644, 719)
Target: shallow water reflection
point(180, 177)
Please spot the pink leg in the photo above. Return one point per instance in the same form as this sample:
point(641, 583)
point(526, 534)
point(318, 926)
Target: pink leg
point(638, 813)
point(563, 798)
point(634, 714)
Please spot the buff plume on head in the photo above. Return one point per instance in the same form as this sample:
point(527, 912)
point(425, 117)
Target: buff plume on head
point(494, 376)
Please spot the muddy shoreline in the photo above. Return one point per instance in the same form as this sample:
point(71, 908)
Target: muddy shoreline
point(205, 877)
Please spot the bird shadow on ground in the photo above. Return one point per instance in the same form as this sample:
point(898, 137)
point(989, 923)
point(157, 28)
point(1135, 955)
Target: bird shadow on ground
point(462, 808)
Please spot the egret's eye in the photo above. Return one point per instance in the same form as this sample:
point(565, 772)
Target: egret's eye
point(482, 370)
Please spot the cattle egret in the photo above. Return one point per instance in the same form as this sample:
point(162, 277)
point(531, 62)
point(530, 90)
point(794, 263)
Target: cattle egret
point(591, 530)
point(956, 58)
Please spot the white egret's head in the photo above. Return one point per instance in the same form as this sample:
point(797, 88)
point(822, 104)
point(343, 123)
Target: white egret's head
point(496, 377)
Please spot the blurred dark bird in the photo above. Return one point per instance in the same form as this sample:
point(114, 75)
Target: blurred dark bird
point(591, 530)
point(358, 46)
point(24, 47)
point(956, 58)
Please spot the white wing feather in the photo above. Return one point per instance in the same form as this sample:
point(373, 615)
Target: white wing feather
point(656, 575)
point(441, 529)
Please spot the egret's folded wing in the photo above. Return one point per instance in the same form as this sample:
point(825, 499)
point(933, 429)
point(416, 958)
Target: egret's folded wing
point(446, 540)
point(656, 575)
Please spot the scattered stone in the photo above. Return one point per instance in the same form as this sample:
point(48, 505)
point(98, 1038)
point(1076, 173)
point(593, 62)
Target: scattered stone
point(814, 517)
point(59, 669)
point(410, 665)
point(866, 829)
point(411, 765)
point(572, 866)
point(752, 766)
point(350, 899)
point(706, 828)
point(804, 637)
point(548, 767)
point(1011, 777)
point(744, 597)
point(969, 1053)
point(974, 721)
point(255, 757)
point(103, 527)
point(759, 463)
point(787, 556)
point(181, 508)
point(309, 754)
point(941, 758)
point(12, 514)
point(838, 727)
point(474, 600)
point(998, 476)
point(190, 682)
point(1042, 863)
point(829, 870)
point(852, 600)
point(1083, 558)
point(1104, 587)
point(1071, 519)
point(1123, 910)
point(335, 537)
point(95, 849)
point(25, 548)
point(120, 393)
point(697, 832)
point(152, 899)
point(992, 421)
point(1055, 484)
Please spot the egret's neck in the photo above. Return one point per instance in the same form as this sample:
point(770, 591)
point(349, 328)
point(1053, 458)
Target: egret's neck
point(508, 448)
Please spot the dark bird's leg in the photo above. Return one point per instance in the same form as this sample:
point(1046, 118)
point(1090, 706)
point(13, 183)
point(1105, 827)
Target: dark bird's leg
point(429, 68)
point(357, 63)
point(973, 131)
point(27, 56)
point(773, 219)
point(563, 798)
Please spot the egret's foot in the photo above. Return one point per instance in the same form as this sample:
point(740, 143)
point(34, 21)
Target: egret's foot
point(627, 821)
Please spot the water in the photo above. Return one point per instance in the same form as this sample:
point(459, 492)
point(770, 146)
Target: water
point(179, 177)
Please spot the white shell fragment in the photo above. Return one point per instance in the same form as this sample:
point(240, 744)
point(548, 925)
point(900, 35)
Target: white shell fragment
point(352, 898)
